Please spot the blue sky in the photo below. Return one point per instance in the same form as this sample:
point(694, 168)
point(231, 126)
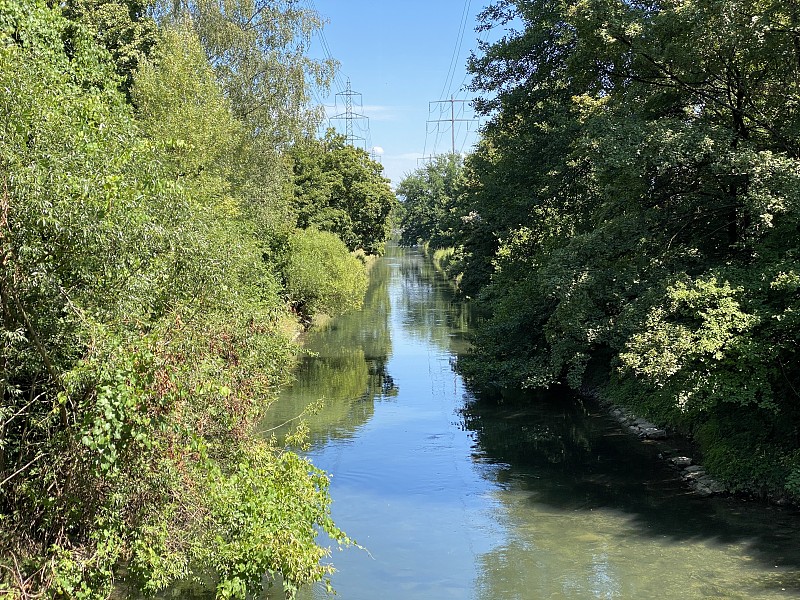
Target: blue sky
point(398, 55)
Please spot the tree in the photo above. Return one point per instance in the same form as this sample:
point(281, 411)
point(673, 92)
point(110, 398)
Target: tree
point(140, 331)
point(257, 49)
point(430, 196)
point(124, 28)
point(636, 187)
point(338, 188)
point(321, 274)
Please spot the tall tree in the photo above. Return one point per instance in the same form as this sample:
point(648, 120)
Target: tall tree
point(637, 186)
point(430, 196)
point(339, 188)
point(123, 27)
point(258, 51)
point(140, 334)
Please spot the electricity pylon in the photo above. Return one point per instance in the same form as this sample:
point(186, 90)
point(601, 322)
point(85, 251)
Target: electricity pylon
point(451, 119)
point(349, 117)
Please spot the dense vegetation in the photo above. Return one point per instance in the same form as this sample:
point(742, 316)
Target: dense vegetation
point(629, 220)
point(429, 202)
point(150, 257)
point(339, 189)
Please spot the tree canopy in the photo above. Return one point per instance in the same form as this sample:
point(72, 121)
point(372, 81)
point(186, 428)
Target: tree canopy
point(429, 197)
point(631, 219)
point(150, 266)
point(339, 188)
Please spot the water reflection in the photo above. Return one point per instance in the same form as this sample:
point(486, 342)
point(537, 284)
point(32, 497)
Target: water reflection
point(533, 498)
point(591, 513)
point(346, 367)
point(430, 311)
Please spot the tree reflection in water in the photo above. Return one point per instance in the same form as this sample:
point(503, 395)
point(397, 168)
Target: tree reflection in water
point(346, 367)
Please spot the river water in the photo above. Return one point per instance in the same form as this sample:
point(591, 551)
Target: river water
point(454, 498)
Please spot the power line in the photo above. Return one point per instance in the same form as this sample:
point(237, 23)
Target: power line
point(457, 99)
point(440, 105)
point(448, 81)
point(325, 47)
point(351, 119)
point(356, 125)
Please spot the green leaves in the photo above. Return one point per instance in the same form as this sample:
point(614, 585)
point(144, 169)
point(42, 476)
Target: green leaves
point(321, 274)
point(629, 219)
point(257, 49)
point(688, 345)
point(181, 105)
point(430, 195)
point(140, 312)
point(338, 188)
point(269, 508)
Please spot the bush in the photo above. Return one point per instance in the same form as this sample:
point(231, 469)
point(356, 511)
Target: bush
point(321, 275)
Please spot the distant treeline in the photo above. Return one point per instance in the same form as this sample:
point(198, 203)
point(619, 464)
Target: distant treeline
point(628, 222)
point(167, 217)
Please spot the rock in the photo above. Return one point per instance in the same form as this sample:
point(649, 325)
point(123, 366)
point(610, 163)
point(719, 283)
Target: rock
point(654, 433)
point(681, 461)
point(703, 490)
point(693, 469)
point(712, 485)
point(715, 486)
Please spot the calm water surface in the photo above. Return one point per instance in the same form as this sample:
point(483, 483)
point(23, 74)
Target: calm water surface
point(455, 499)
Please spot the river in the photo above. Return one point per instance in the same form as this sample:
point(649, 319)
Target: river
point(454, 498)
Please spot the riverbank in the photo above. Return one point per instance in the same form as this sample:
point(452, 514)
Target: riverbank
point(671, 450)
point(681, 454)
point(678, 450)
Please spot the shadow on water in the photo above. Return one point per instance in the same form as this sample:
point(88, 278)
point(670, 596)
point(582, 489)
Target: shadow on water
point(567, 455)
point(537, 497)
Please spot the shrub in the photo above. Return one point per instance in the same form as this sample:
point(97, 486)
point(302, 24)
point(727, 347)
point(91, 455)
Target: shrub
point(321, 275)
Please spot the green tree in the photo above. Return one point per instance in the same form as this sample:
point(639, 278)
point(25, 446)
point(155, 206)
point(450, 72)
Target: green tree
point(636, 187)
point(338, 188)
point(430, 196)
point(124, 28)
point(257, 49)
point(140, 331)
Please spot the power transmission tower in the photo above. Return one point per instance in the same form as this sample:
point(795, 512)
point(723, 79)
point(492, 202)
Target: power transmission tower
point(349, 117)
point(451, 119)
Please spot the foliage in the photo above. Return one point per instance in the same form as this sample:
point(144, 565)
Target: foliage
point(258, 51)
point(180, 105)
point(140, 325)
point(429, 197)
point(321, 274)
point(338, 188)
point(122, 27)
point(629, 218)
